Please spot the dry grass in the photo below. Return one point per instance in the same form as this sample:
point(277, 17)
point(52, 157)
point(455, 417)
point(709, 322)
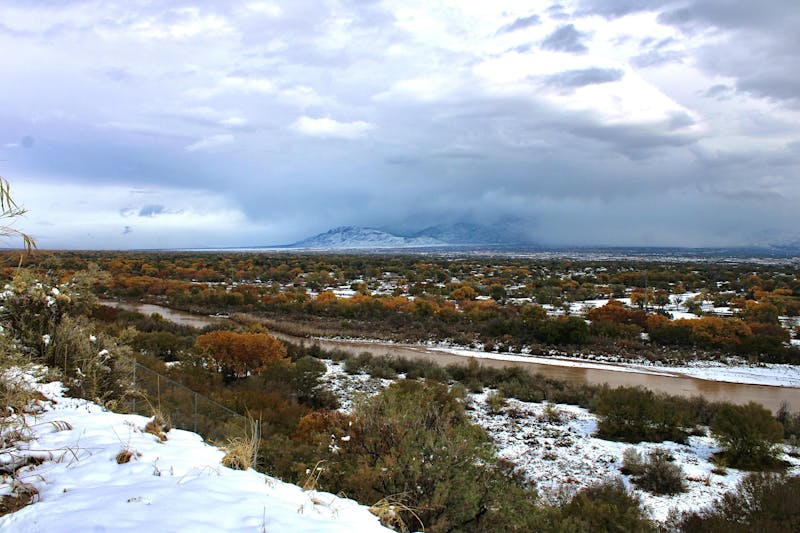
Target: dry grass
point(389, 511)
point(241, 452)
point(312, 477)
point(24, 495)
point(159, 425)
point(125, 455)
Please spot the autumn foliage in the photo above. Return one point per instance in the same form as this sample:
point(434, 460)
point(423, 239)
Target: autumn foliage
point(237, 355)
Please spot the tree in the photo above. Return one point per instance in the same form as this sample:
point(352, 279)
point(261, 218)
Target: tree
point(238, 355)
point(748, 433)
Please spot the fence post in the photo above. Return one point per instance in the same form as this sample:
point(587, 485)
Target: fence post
point(134, 386)
point(195, 412)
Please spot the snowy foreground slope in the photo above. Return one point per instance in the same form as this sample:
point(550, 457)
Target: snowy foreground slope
point(177, 485)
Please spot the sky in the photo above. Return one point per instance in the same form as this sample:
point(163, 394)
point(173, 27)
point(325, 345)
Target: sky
point(164, 124)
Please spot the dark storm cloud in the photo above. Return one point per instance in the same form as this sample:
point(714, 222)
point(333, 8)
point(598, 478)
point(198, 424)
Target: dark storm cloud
point(720, 91)
point(583, 77)
point(151, 210)
point(520, 24)
point(566, 39)
point(765, 67)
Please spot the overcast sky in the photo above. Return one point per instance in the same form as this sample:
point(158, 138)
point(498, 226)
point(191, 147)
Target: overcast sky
point(149, 124)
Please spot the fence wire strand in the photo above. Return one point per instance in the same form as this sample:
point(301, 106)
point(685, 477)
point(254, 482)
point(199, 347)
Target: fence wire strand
point(185, 408)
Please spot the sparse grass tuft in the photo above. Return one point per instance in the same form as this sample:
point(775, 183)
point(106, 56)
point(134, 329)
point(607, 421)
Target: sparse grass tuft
point(125, 455)
point(312, 476)
point(389, 511)
point(241, 452)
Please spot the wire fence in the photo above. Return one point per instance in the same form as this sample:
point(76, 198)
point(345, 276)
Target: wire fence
point(184, 408)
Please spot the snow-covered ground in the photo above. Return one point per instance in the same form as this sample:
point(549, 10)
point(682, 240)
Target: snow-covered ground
point(562, 455)
point(175, 485)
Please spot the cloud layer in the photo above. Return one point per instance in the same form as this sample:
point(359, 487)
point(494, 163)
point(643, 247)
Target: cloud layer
point(196, 123)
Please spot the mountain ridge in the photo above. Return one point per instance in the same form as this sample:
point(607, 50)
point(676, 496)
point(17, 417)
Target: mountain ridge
point(357, 237)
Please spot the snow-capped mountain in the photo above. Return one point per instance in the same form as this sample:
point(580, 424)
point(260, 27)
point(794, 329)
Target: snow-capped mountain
point(354, 237)
point(463, 233)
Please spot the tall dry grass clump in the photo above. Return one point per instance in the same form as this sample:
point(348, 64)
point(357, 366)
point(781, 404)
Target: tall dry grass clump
point(241, 452)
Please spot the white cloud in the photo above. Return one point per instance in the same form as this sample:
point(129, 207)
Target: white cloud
point(229, 84)
point(329, 128)
point(183, 24)
point(265, 8)
point(225, 118)
point(210, 143)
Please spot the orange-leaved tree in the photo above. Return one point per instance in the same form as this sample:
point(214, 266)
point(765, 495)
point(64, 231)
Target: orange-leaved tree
point(237, 355)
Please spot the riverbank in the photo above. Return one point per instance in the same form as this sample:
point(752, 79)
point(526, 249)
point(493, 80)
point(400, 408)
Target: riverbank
point(769, 385)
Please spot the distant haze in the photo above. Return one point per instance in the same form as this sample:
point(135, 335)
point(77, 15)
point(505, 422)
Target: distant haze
point(180, 124)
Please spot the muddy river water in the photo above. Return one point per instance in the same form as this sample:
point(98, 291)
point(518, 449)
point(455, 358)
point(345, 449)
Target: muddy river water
point(768, 395)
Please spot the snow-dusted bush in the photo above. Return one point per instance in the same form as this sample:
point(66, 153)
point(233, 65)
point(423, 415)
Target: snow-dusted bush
point(607, 506)
point(414, 442)
point(47, 323)
point(749, 435)
point(660, 475)
point(634, 414)
point(632, 462)
point(761, 502)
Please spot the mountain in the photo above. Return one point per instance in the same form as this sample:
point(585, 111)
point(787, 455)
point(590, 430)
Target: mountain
point(354, 237)
point(465, 233)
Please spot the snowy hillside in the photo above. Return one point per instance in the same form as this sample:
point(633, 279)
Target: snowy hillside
point(175, 485)
point(466, 233)
point(353, 237)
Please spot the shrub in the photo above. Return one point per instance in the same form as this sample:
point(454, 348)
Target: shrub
point(634, 414)
point(495, 401)
point(607, 506)
point(660, 475)
point(749, 435)
point(414, 440)
point(632, 462)
point(94, 365)
point(761, 502)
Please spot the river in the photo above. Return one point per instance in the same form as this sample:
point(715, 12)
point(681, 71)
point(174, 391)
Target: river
point(770, 396)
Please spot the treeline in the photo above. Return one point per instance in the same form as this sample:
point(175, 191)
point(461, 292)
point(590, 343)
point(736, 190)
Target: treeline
point(469, 301)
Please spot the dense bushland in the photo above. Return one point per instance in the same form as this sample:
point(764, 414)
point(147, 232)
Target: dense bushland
point(495, 302)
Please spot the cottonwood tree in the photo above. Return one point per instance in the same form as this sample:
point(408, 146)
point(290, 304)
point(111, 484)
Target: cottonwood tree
point(238, 355)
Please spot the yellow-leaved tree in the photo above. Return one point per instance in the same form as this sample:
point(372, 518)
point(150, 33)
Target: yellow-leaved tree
point(237, 355)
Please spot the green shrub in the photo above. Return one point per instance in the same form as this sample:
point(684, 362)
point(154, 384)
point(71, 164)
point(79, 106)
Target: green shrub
point(748, 434)
point(761, 502)
point(414, 440)
point(634, 414)
point(607, 506)
point(94, 366)
point(659, 474)
point(632, 462)
point(381, 369)
point(495, 402)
